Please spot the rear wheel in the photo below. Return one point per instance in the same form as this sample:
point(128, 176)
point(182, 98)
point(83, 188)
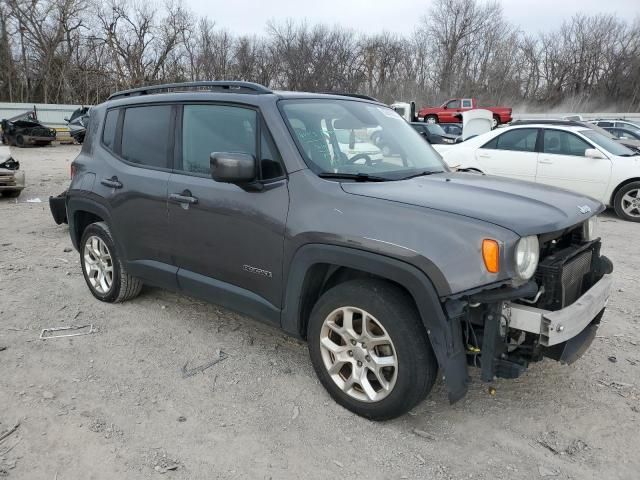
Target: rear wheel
point(369, 348)
point(103, 270)
point(20, 141)
point(495, 122)
point(627, 202)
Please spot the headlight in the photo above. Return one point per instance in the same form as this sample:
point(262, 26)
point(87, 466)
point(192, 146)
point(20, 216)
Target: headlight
point(589, 229)
point(527, 256)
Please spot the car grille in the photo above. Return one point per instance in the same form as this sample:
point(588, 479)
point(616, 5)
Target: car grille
point(7, 180)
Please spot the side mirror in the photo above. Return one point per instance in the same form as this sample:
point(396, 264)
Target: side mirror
point(66, 119)
point(233, 167)
point(594, 153)
point(444, 107)
point(459, 139)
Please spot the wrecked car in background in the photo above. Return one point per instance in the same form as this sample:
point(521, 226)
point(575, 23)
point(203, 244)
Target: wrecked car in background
point(11, 177)
point(77, 124)
point(25, 129)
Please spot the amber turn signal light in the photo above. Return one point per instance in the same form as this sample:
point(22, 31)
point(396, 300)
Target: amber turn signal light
point(491, 255)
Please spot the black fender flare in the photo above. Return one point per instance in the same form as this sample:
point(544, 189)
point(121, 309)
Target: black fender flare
point(76, 203)
point(445, 335)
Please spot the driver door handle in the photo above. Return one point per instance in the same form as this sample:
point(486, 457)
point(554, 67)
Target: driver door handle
point(185, 198)
point(546, 161)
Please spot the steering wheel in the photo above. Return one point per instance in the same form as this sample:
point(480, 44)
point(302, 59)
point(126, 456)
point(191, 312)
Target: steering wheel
point(360, 156)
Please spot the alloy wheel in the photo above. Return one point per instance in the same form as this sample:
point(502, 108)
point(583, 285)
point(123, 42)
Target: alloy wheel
point(358, 354)
point(631, 203)
point(98, 264)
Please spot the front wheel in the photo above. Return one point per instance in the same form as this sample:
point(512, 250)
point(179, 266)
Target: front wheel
point(627, 202)
point(431, 119)
point(370, 350)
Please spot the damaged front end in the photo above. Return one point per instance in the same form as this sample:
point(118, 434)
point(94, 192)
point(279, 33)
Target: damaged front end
point(554, 315)
point(12, 179)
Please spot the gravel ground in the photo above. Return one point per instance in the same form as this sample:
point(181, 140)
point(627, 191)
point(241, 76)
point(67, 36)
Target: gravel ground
point(114, 404)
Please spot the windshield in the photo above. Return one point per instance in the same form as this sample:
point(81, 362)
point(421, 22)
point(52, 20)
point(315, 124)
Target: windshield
point(608, 144)
point(630, 126)
point(357, 138)
point(435, 129)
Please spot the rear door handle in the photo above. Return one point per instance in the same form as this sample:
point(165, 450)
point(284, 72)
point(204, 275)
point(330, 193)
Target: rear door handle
point(184, 198)
point(546, 161)
point(484, 155)
point(112, 182)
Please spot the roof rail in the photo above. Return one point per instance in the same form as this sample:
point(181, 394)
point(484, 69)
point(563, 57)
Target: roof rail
point(354, 95)
point(232, 85)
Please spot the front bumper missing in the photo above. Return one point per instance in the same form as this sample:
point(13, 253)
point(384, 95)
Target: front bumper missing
point(562, 325)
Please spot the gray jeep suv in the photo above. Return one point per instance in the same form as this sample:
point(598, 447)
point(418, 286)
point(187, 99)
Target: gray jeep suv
point(391, 266)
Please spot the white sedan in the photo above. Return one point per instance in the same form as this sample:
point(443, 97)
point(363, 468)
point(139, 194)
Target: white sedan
point(571, 157)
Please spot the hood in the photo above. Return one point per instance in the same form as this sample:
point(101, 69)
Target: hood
point(522, 207)
point(476, 122)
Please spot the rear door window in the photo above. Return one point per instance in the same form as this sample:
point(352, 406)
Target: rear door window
point(146, 135)
point(518, 140)
point(559, 142)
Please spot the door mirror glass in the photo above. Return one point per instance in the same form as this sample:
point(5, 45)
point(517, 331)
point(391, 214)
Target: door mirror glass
point(233, 167)
point(593, 153)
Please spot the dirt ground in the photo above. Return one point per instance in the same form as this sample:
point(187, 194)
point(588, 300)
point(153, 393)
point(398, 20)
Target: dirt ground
point(114, 404)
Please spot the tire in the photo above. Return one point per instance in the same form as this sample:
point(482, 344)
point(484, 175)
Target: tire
point(496, 122)
point(627, 202)
point(20, 141)
point(386, 305)
point(122, 286)
point(431, 119)
point(11, 193)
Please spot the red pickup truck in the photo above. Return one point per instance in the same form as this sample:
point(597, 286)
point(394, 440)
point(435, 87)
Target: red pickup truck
point(449, 112)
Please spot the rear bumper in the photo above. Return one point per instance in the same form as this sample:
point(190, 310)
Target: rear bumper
point(58, 208)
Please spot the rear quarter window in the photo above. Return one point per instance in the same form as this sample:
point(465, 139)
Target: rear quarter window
point(109, 131)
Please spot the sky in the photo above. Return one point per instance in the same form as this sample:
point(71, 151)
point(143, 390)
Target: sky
point(398, 16)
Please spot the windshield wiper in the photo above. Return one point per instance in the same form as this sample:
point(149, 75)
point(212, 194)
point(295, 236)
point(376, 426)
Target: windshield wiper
point(358, 177)
point(422, 174)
